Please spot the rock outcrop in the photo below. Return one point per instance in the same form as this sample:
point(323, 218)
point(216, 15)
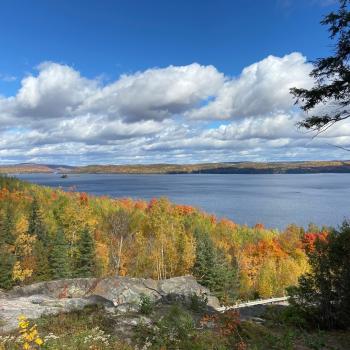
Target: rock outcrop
point(118, 294)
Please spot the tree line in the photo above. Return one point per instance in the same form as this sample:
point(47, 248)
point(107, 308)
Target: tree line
point(50, 234)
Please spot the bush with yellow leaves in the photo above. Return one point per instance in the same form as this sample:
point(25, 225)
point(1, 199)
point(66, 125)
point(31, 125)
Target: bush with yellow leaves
point(29, 336)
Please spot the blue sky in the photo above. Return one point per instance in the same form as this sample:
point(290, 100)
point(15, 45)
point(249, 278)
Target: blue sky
point(111, 37)
point(91, 45)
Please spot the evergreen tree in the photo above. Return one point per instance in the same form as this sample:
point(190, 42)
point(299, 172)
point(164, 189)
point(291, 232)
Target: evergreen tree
point(205, 260)
point(58, 258)
point(36, 224)
point(332, 76)
point(323, 294)
point(7, 261)
point(212, 269)
point(227, 279)
point(7, 239)
point(37, 227)
point(42, 267)
point(7, 226)
point(85, 264)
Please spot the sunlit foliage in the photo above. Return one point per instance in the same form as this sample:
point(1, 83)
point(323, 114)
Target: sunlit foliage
point(48, 233)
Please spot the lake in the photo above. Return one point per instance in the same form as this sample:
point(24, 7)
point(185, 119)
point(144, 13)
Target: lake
point(275, 200)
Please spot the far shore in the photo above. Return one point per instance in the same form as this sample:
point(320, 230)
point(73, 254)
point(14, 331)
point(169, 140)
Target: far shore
point(298, 167)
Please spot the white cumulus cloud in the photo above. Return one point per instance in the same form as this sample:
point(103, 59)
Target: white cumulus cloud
point(261, 89)
point(191, 113)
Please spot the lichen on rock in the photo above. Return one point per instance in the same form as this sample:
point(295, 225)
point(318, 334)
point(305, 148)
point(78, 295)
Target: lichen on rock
point(120, 294)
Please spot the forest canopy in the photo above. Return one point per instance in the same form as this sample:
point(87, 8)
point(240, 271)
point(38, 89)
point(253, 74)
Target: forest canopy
point(49, 233)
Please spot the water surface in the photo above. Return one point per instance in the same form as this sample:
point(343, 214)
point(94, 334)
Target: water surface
point(275, 200)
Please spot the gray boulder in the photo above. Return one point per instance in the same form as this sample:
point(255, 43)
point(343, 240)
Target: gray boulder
point(118, 293)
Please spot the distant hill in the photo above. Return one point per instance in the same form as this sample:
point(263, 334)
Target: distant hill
point(222, 168)
point(23, 168)
point(205, 168)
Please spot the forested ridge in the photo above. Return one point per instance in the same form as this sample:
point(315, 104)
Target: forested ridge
point(301, 167)
point(49, 234)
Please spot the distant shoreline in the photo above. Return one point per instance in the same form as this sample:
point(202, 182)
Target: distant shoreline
point(301, 167)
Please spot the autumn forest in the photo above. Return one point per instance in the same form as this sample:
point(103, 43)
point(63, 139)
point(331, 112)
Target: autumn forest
point(50, 234)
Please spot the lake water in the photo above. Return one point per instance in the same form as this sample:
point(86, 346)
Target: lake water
point(275, 200)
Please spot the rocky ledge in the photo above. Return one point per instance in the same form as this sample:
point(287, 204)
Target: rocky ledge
point(116, 294)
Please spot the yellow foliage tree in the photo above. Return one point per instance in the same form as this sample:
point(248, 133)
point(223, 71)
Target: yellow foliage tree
point(19, 273)
point(22, 269)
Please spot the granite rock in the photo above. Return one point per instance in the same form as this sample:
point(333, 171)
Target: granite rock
point(121, 294)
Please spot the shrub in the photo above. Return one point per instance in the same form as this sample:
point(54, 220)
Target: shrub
point(172, 331)
point(286, 316)
point(29, 336)
point(146, 305)
point(198, 303)
point(323, 295)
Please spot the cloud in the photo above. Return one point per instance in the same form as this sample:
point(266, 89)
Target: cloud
point(319, 3)
point(7, 78)
point(56, 92)
point(156, 93)
point(261, 89)
point(191, 113)
point(59, 91)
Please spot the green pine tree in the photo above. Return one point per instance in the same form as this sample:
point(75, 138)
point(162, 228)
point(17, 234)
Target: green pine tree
point(7, 261)
point(227, 278)
point(58, 257)
point(323, 294)
point(7, 226)
point(36, 225)
point(331, 77)
point(85, 263)
point(205, 260)
point(213, 271)
point(7, 239)
point(42, 267)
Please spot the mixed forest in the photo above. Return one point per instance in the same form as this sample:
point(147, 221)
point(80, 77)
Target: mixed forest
point(50, 234)
point(298, 167)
